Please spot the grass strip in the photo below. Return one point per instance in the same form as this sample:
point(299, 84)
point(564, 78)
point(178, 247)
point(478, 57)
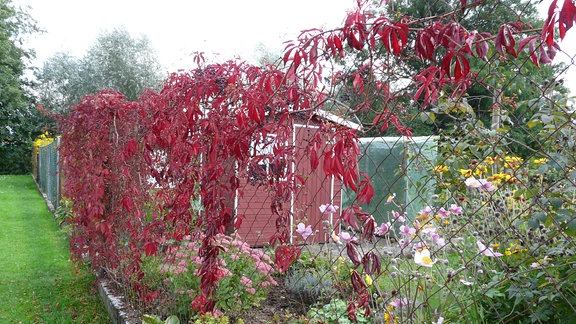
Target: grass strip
point(38, 283)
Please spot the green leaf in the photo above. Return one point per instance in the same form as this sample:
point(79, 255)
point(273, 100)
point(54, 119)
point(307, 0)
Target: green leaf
point(492, 293)
point(537, 219)
point(532, 123)
point(152, 319)
point(546, 119)
point(172, 319)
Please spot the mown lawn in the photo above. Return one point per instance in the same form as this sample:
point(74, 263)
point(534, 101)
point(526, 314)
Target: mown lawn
point(38, 283)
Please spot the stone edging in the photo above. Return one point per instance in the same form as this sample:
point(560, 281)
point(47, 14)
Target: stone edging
point(114, 304)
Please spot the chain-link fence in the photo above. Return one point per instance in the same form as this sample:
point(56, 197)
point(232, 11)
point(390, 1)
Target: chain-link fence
point(46, 171)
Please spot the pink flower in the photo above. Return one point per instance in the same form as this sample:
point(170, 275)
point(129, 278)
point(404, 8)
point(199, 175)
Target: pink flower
point(264, 268)
point(382, 229)
point(426, 211)
point(479, 184)
point(246, 281)
point(223, 272)
point(335, 238)
point(328, 209)
point(304, 230)
point(179, 270)
point(443, 213)
point(438, 240)
point(346, 237)
point(420, 245)
point(487, 251)
point(399, 302)
point(407, 231)
point(398, 217)
point(404, 243)
point(455, 209)
point(428, 230)
point(216, 313)
point(472, 183)
point(264, 284)
point(487, 185)
point(251, 291)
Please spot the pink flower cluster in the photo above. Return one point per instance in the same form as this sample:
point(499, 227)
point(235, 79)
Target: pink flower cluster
point(185, 258)
point(481, 184)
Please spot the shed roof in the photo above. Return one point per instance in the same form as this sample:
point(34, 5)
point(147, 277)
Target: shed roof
point(337, 119)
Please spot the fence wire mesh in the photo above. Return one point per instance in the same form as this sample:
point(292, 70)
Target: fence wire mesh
point(476, 222)
point(46, 171)
point(475, 217)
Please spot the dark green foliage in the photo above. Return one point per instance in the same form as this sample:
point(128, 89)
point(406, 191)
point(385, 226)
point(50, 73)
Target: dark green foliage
point(15, 158)
point(20, 122)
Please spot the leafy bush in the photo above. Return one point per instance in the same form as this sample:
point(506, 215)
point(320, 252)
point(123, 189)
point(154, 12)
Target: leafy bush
point(15, 159)
point(334, 312)
point(245, 274)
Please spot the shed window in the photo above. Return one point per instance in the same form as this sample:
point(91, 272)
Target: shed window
point(263, 161)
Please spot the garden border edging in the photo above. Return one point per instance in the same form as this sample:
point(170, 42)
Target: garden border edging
point(114, 304)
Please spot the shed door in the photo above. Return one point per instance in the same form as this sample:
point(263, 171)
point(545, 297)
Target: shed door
point(318, 189)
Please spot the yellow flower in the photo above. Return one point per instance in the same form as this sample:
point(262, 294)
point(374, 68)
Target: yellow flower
point(490, 160)
point(496, 245)
point(498, 177)
point(42, 141)
point(540, 161)
point(466, 172)
point(507, 252)
point(389, 317)
point(440, 168)
point(368, 280)
point(512, 162)
point(480, 170)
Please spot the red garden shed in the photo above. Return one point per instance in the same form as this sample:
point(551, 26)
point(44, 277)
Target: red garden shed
point(253, 203)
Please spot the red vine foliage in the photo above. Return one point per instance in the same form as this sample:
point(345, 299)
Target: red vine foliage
point(133, 168)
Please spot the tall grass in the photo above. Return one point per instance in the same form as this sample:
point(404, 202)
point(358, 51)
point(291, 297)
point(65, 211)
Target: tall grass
point(38, 283)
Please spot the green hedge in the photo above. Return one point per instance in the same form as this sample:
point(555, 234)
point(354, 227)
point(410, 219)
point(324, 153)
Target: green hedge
point(15, 159)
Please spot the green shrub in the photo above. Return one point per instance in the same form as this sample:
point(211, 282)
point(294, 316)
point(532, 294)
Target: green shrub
point(309, 286)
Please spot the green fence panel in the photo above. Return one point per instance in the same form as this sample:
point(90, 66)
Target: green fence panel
point(396, 166)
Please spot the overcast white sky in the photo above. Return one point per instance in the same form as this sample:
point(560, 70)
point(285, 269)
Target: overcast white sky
point(177, 28)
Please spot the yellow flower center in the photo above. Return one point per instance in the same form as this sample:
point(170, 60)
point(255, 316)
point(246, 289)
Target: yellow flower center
point(426, 260)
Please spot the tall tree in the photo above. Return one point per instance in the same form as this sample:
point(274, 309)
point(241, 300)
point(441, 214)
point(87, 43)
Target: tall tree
point(116, 61)
point(497, 78)
point(20, 122)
